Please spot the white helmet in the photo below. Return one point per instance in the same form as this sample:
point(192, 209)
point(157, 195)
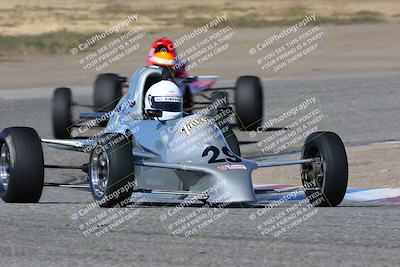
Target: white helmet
point(164, 96)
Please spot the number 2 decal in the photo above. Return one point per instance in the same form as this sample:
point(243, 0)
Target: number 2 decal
point(215, 153)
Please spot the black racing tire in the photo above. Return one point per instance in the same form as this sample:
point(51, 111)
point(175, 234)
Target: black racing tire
point(249, 102)
point(232, 141)
point(61, 112)
point(107, 91)
point(223, 115)
point(333, 171)
point(22, 163)
point(118, 151)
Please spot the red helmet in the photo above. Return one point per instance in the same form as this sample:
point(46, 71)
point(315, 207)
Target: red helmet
point(160, 45)
point(163, 59)
point(166, 46)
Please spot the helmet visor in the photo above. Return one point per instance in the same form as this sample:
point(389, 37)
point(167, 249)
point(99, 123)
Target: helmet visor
point(167, 103)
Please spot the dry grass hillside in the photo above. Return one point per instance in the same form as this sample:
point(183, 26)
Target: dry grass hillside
point(46, 25)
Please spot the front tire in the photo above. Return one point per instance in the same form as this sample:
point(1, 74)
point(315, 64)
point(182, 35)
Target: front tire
point(325, 180)
point(111, 173)
point(21, 165)
point(224, 120)
point(232, 141)
point(223, 113)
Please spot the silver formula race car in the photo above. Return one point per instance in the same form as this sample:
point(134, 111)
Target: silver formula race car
point(191, 156)
point(198, 92)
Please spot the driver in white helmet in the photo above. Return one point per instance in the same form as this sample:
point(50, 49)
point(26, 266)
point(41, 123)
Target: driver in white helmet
point(166, 97)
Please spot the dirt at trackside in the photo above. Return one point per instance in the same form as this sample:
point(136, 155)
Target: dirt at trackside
point(370, 166)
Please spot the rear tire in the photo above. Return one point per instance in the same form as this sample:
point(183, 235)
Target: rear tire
point(21, 165)
point(249, 102)
point(331, 175)
point(107, 91)
point(111, 169)
point(61, 112)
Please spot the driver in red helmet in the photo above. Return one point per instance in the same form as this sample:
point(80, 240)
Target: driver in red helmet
point(163, 54)
point(166, 47)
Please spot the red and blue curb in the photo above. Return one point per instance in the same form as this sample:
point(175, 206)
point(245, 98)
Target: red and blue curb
point(388, 196)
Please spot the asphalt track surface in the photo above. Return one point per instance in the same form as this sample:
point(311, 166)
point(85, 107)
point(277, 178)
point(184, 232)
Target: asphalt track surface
point(362, 109)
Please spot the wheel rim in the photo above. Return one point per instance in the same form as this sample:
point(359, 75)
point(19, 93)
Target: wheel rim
point(5, 166)
point(99, 172)
point(313, 174)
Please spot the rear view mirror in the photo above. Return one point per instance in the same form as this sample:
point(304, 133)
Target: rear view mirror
point(154, 113)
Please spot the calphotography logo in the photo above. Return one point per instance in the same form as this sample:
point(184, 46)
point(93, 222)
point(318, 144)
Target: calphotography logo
point(100, 51)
